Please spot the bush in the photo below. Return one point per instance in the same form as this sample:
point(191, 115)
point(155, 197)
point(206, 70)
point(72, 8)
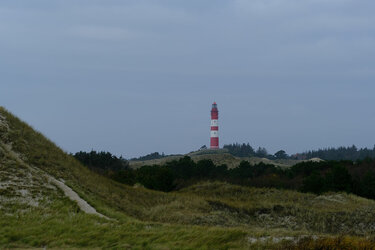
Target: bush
point(313, 184)
point(156, 177)
point(338, 179)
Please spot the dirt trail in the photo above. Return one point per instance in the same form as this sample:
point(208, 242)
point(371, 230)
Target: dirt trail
point(83, 205)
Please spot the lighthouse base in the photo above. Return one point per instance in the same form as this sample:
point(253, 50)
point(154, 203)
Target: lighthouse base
point(214, 143)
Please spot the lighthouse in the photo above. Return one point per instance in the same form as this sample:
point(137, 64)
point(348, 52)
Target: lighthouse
point(214, 144)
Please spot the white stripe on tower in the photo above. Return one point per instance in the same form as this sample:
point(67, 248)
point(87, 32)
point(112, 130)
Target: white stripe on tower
point(214, 123)
point(214, 133)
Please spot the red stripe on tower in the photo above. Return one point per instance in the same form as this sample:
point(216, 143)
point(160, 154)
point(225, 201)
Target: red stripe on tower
point(214, 143)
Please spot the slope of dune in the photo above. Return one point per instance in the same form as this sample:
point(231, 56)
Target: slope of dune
point(35, 211)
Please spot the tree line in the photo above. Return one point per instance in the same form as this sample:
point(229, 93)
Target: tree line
point(246, 150)
point(152, 156)
point(357, 177)
point(341, 153)
point(102, 162)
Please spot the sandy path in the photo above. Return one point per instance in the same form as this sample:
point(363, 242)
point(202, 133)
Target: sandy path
point(83, 205)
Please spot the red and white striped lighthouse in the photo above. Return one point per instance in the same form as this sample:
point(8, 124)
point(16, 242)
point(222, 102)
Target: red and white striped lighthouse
point(214, 144)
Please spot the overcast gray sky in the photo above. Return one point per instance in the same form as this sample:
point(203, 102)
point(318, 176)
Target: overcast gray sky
point(135, 77)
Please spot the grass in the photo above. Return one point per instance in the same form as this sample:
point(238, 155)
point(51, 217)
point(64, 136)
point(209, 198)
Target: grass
point(342, 242)
point(218, 157)
point(205, 216)
point(329, 213)
point(61, 224)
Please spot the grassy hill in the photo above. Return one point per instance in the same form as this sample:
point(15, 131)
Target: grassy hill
point(218, 157)
point(36, 213)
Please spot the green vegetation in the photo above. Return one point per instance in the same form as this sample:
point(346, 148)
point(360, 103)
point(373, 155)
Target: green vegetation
point(205, 215)
point(102, 162)
point(218, 157)
point(341, 153)
point(330, 154)
point(316, 177)
point(245, 150)
point(231, 155)
point(151, 156)
point(34, 213)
